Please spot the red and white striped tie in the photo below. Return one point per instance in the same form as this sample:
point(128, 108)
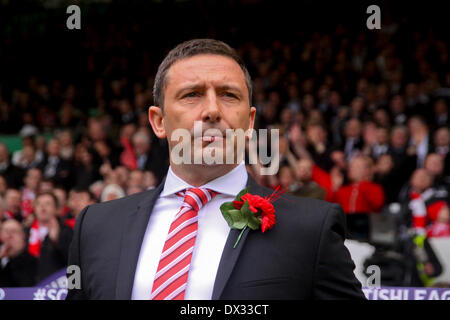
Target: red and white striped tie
point(173, 268)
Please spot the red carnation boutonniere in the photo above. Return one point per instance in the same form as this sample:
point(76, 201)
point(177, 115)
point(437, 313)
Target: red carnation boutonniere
point(250, 211)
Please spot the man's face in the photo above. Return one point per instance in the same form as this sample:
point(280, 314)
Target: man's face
point(12, 199)
point(3, 153)
point(33, 179)
point(206, 88)
point(45, 208)
point(12, 235)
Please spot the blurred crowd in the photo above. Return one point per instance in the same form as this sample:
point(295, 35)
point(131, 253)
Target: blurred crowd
point(363, 119)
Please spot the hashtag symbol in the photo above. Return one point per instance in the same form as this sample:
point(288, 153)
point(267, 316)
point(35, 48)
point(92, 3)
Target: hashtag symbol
point(40, 294)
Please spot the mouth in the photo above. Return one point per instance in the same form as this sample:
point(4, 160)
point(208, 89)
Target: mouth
point(211, 138)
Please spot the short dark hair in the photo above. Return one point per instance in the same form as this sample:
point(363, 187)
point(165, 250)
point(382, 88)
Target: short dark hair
point(189, 49)
point(52, 195)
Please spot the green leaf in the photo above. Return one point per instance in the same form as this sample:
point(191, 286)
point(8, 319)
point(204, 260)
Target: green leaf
point(226, 214)
point(227, 206)
point(240, 194)
point(254, 223)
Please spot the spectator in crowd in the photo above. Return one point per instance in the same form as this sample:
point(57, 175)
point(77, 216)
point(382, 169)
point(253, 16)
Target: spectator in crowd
point(111, 192)
point(441, 227)
point(48, 237)
point(9, 171)
point(353, 143)
point(423, 200)
point(434, 164)
point(17, 266)
point(149, 155)
point(13, 205)
point(306, 187)
point(442, 146)
point(53, 166)
point(3, 186)
point(63, 208)
point(77, 201)
point(420, 139)
point(32, 182)
point(360, 195)
point(86, 168)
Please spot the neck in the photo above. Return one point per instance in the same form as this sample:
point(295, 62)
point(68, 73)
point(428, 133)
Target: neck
point(199, 174)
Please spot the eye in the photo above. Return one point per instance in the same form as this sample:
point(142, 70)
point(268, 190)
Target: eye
point(191, 95)
point(230, 95)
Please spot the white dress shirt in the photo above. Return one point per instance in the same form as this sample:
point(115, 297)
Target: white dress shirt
point(211, 237)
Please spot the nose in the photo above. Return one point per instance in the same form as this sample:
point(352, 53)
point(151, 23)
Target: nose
point(211, 111)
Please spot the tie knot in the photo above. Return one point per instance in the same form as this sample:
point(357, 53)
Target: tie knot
point(196, 198)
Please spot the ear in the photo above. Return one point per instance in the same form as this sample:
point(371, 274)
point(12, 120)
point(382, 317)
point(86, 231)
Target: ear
point(252, 117)
point(156, 119)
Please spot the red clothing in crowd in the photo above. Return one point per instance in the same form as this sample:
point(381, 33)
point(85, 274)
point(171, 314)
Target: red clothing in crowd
point(323, 179)
point(363, 197)
point(425, 208)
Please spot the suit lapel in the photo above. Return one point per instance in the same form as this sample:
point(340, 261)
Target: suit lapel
point(132, 237)
point(230, 255)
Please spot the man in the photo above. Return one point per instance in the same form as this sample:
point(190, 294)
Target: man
point(13, 208)
point(48, 238)
point(150, 156)
point(306, 186)
point(17, 266)
point(13, 175)
point(360, 197)
point(53, 166)
point(119, 245)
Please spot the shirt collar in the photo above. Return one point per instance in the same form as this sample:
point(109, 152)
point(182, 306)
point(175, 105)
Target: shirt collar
point(230, 183)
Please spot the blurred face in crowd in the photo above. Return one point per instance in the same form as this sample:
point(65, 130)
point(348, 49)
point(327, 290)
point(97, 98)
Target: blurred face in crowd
point(3, 186)
point(78, 200)
point(338, 158)
point(65, 138)
point(399, 137)
point(29, 153)
point(303, 170)
point(122, 175)
point(370, 133)
point(434, 164)
point(397, 104)
point(13, 199)
point(207, 88)
point(13, 236)
point(381, 117)
point(382, 136)
point(316, 134)
point(3, 153)
point(384, 164)
point(96, 130)
point(442, 137)
point(61, 195)
point(45, 208)
point(33, 179)
point(440, 107)
point(421, 180)
point(444, 215)
point(46, 186)
point(360, 169)
point(136, 178)
point(141, 143)
point(353, 128)
point(357, 105)
point(53, 148)
point(149, 179)
point(417, 127)
point(286, 177)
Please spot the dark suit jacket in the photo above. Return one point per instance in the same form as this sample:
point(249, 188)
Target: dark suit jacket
point(54, 256)
point(302, 257)
point(20, 271)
